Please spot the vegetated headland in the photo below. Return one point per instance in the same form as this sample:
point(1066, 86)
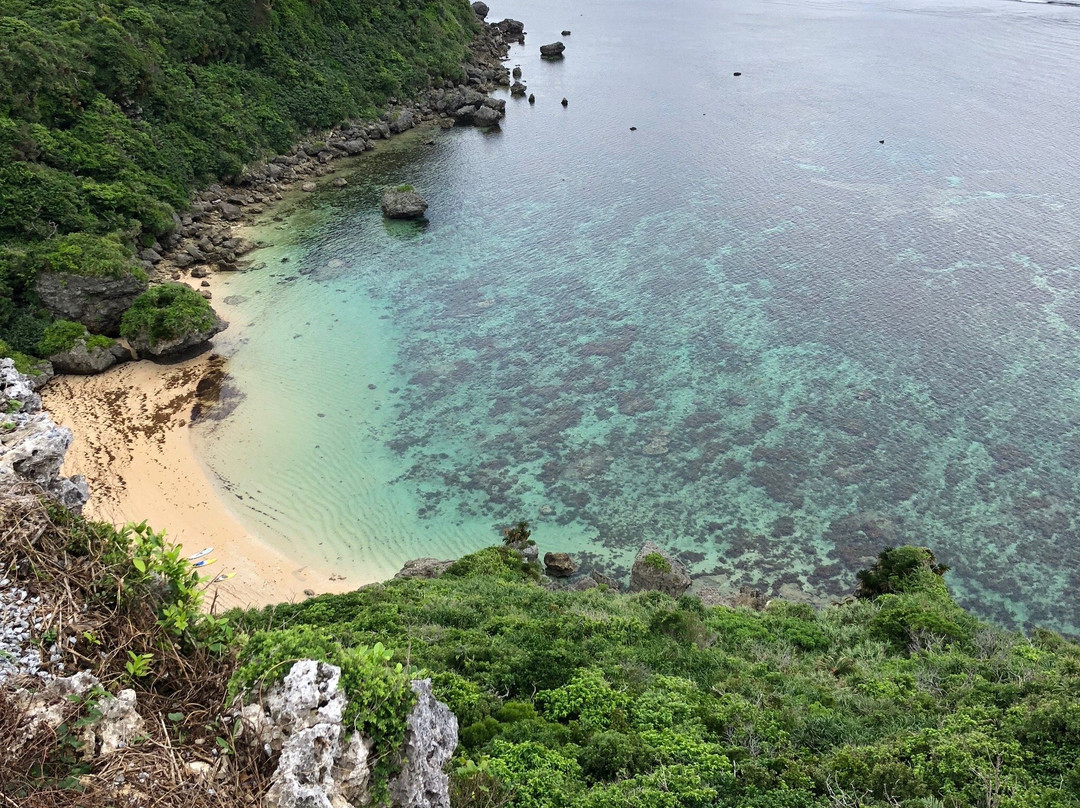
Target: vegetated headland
point(480, 681)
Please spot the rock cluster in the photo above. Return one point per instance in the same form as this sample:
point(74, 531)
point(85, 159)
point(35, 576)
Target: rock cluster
point(19, 614)
point(322, 765)
point(32, 447)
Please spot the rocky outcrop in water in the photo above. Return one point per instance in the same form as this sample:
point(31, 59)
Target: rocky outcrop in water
point(559, 565)
point(97, 303)
point(655, 570)
point(32, 447)
point(552, 51)
point(321, 764)
point(403, 203)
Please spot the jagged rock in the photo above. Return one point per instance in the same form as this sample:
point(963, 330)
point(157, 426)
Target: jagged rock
point(145, 347)
point(150, 255)
point(32, 447)
point(655, 570)
point(486, 116)
point(119, 722)
point(517, 89)
point(605, 580)
point(480, 9)
point(559, 565)
point(97, 303)
point(86, 361)
point(552, 51)
point(423, 568)
point(430, 741)
point(516, 73)
point(564, 102)
point(512, 29)
point(402, 204)
point(583, 584)
point(403, 121)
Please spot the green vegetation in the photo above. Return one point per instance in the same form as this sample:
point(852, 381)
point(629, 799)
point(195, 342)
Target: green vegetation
point(657, 562)
point(403, 188)
point(594, 699)
point(61, 335)
point(166, 312)
point(112, 112)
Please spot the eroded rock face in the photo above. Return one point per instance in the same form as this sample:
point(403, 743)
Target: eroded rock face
point(85, 361)
point(145, 347)
point(429, 744)
point(32, 447)
point(320, 765)
point(97, 303)
point(655, 570)
point(400, 204)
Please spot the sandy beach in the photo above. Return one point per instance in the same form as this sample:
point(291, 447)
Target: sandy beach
point(133, 444)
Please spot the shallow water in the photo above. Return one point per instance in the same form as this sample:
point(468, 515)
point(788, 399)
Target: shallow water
point(748, 330)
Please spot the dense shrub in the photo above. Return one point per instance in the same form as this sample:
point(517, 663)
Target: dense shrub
point(166, 312)
point(592, 698)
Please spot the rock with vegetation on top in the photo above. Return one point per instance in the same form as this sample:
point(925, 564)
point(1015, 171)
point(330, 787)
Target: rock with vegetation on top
point(559, 565)
point(97, 302)
point(72, 349)
point(168, 319)
point(552, 51)
point(403, 203)
point(430, 741)
point(654, 570)
point(423, 568)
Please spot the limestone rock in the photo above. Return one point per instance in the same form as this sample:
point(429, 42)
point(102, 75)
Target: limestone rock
point(144, 347)
point(32, 447)
point(119, 724)
point(655, 570)
point(583, 584)
point(605, 580)
point(423, 568)
point(403, 121)
point(486, 116)
point(97, 303)
point(430, 741)
point(552, 51)
point(85, 361)
point(403, 204)
point(559, 565)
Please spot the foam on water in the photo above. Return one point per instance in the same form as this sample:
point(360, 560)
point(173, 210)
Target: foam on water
point(747, 331)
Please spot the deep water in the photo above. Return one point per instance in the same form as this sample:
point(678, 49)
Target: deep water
point(747, 330)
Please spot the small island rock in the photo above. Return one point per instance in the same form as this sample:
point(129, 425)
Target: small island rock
point(565, 33)
point(517, 89)
point(403, 203)
point(654, 570)
point(559, 565)
point(552, 51)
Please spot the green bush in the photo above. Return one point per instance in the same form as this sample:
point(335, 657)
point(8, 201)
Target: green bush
point(166, 312)
point(61, 336)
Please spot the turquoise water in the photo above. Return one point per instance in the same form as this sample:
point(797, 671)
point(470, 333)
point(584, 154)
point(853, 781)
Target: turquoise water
point(747, 331)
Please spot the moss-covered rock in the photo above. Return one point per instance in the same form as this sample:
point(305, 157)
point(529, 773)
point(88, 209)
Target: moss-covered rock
point(72, 349)
point(168, 319)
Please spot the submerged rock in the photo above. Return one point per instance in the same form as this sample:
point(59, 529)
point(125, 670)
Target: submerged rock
point(403, 203)
point(654, 570)
point(552, 51)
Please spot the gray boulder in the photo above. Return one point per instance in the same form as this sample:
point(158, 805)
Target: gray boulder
point(559, 565)
point(430, 741)
point(423, 568)
point(654, 570)
point(480, 9)
point(517, 89)
point(86, 361)
point(398, 203)
point(402, 121)
point(511, 29)
point(552, 51)
point(486, 116)
point(97, 303)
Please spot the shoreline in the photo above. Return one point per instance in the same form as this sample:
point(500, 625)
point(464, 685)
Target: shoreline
point(134, 445)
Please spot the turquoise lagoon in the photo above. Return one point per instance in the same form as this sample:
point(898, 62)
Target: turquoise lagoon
point(748, 330)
